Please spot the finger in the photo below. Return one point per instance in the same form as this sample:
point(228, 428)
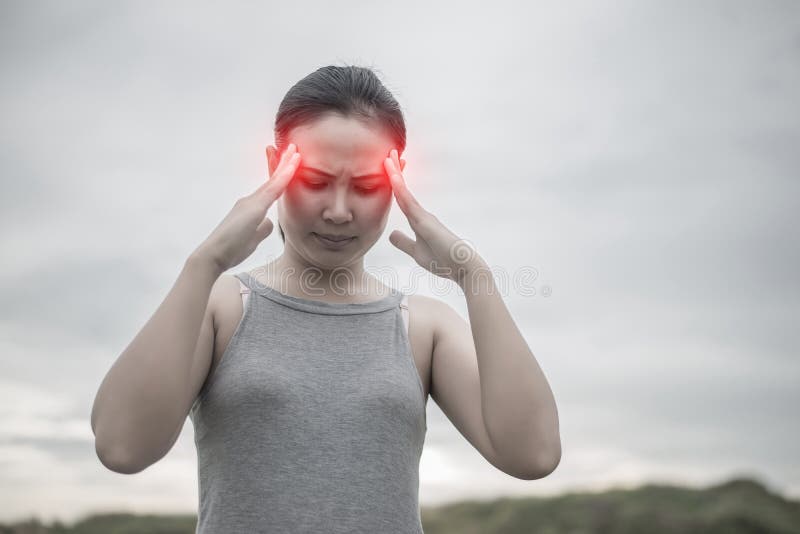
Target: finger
point(274, 188)
point(403, 242)
point(285, 158)
point(405, 199)
point(264, 229)
point(398, 166)
point(289, 162)
point(285, 155)
point(400, 192)
point(274, 175)
point(285, 172)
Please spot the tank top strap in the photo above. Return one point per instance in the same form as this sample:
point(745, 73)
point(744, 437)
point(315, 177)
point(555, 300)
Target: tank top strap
point(404, 311)
point(244, 291)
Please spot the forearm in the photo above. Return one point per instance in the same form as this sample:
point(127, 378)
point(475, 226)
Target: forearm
point(142, 397)
point(518, 406)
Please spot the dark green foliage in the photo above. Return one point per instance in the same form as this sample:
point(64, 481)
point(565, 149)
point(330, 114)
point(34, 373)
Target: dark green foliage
point(739, 506)
point(121, 523)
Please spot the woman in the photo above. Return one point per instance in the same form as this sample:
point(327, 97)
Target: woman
point(305, 380)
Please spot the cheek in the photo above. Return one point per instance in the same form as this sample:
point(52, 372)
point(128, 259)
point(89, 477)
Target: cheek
point(298, 202)
point(377, 208)
point(383, 199)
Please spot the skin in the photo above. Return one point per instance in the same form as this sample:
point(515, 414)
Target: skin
point(485, 377)
point(482, 374)
point(345, 148)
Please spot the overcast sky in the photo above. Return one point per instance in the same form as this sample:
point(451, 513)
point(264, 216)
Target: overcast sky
point(640, 158)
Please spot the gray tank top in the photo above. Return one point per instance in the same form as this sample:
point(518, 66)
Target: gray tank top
point(313, 421)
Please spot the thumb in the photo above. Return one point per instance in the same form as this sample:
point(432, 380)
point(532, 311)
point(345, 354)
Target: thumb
point(264, 229)
point(402, 241)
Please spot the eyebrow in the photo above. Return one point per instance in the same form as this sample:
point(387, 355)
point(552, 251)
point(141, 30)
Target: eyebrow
point(328, 175)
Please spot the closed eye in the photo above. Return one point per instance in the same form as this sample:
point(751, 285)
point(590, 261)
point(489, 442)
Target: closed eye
point(363, 189)
point(369, 190)
point(315, 185)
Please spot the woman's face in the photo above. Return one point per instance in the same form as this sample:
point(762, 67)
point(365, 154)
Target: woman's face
point(340, 188)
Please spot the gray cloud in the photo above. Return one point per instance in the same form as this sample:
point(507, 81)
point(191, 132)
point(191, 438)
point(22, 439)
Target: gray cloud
point(642, 158)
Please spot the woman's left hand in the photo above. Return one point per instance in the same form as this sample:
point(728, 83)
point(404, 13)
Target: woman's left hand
point(436, 248)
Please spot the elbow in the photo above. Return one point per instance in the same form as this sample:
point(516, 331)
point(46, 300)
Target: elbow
point(114, 454)
point(117, 461)
point(550, 463)
point(546, 461)
point(541, 470)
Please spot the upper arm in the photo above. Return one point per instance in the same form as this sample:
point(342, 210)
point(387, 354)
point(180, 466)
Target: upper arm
point(455, 381)
point(203, 355)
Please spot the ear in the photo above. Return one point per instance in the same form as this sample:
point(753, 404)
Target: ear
point(272, 159)
point(402, 164)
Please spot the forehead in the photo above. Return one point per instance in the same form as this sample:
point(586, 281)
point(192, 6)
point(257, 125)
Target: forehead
point(338, 144)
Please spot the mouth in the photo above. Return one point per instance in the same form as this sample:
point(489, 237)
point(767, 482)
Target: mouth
point(333, 241)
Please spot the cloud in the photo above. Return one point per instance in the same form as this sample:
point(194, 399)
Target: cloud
point(641, 158)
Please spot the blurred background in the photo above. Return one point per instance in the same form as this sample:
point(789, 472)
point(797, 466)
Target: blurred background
point(633, 164)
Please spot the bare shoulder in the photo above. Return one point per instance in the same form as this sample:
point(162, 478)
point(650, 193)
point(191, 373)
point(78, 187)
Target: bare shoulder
point(225, 306)
point(423, 305)
point(225, 301)
point(428, 312)
point(423, 326)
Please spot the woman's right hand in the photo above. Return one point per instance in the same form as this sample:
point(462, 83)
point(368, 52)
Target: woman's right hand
point(246, 225)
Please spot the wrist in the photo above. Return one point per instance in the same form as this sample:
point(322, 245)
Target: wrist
point(202, 259)
point(470, 273)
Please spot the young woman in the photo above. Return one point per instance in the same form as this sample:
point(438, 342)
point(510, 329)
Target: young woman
point(307, 379)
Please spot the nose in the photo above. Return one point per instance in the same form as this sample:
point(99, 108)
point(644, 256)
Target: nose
point(338, 209)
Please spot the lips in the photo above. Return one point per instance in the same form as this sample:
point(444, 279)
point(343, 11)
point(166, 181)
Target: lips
point(334, 237)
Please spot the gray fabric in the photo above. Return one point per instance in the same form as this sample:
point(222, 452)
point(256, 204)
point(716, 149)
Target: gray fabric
point(313, 421)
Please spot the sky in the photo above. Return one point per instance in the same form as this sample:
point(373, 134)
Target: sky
point(634, 163)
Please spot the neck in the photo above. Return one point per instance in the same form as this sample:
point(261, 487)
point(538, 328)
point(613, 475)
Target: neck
point(291, 274)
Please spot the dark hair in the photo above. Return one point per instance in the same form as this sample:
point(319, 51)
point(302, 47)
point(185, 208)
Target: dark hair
point(350, 91)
